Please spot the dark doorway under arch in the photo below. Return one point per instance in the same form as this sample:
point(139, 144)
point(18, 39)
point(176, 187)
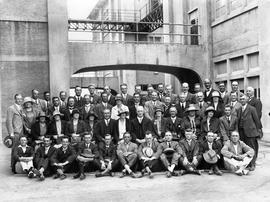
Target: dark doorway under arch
point(183, 74)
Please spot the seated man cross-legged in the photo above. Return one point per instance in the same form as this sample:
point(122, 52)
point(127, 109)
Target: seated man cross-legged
point(87, 156)
point(191, 157)
point(170, 152)
point(127, 155)
point(237, 155)
point(148, 154)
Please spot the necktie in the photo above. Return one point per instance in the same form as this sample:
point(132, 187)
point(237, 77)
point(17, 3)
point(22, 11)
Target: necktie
point(200, 105)
point(169, 145)
point(183, 106)
point(228, 119)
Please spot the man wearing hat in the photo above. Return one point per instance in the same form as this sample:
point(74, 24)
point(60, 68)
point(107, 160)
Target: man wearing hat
point(210, 150)
point(210, 124)
point(43, 157)
point(75, 128)
point(148, 155)
point(88, 156)
point(151, 105)
point(159, 124)
point(127, 155)
point(169, 152)
point(217, 103)
point(237, 155)
point(99, 108)
point(57, 127)
point(91, 122)
point(122, 124)
point(39, 129)
point(62, 159)
point(192, 121)
point(119, 106)
point(174, 124)
point(14, 124)
point(191, 158)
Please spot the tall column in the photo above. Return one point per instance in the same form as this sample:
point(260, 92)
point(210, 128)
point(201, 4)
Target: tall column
point(264, 62)
point(58, 46)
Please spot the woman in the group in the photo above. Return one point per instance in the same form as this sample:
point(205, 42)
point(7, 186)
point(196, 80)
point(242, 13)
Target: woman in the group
point(159, 124)
point(30, 115)
point(123, 124)
point(192, 121)
point(90, 122)
point(210, 124)
point(218, 105)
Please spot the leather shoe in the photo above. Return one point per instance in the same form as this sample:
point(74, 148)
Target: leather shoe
point(82, 177)
point(133, 175)
point(63, 176)
point(168, 174)
point(123, 174)
point(77, 176)
point(211, 172)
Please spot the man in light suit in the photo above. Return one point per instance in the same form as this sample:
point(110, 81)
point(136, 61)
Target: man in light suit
point(63, 96)
point(38, 103)
point(150, 106)
point(127, 155)
point(14, 124)
point(254, 102)
point(191, 98)
point(235, 104)
point(228, 123)
point(249, 127)
point(235, 89)
point(202, 105)
point(237, 155)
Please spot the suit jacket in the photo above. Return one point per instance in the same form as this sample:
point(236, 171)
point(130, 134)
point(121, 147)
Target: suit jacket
point(191, 98)
point(40, 155)
point(14, 120)
point(191, 150)
point(133, 111)
point(128, 100)
point(254, 102)
point(60, 156)
point(95, 99)
point(70, 128)
point(228, 149)
point(79, 102)
point(99, 108)
point(154, 147)
point(18, 152)
point(51, 109)
point(150, 108)
point(40, 105)
point(250, 121)
point(52, 129)
point(122, 148)
point(204, 147)
point(214, 127)
point(101, 129)
point(83, 113)
point(67, 116)
point(174, 98)
point(208, 99)
point(235, 108)
point(107, 152)
point(162, 127)
point(201, 111)
point(227, 128)
point(166, 113)
point(180, 110)
point(174, 145)
point(219, 112)
point(128, 127)
point(138, 129)
point(81, 147)
point(227, 98)
point(111, 100)
point(35, 130)
point(175, 127)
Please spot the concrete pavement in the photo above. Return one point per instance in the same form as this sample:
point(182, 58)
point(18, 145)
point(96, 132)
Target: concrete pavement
point(229, 187)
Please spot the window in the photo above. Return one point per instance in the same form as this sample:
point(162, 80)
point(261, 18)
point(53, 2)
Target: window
point(255, 83)
point(235, 4)
point(220, 8)
point(253, 60)
point(221, 67)
point(237, 63)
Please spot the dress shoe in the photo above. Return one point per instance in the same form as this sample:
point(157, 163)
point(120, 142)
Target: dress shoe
point(77, 176)
point(168, 174)
point(198, 172)
point(211, 172)
point(82, 177)
point(133, 175)
point(41, 177)
point(239, 172)
point(31, 174)
point(252, 168)
point(56, 176)
point(98, 175)
point(111, 174)
point(150, 175)
point(175, 174)
point(245, 172)
point(218, 172)
point(123, 174)
point(63, 176)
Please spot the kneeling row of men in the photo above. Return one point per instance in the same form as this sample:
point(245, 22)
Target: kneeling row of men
point(148, 157)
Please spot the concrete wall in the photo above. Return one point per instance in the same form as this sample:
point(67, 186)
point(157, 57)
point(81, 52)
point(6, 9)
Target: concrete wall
point(24, 50)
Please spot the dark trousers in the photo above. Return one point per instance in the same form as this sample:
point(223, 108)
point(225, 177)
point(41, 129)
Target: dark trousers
point(46, 164)
point(252, 142)
point(89, 166)
point(152, 164)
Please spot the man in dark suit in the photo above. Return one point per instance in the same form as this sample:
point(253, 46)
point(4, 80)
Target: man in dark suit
point(190, 98)
point(249, 127)
point(87, 157)
point(208, 91)
point(254, 102)
point(222, 90)
point(87, 108)
point(105, 126)
point(78, 97)
point(99, 108)
point(94, 98)
point(42, 159)
point(191, 157)
point(63, 96)
point(228, 124)
point(202, 105)
point(174, 125)
point(56, 128)
point(63, 158)
point(140, 125)
point(135, 104)
point(107, 156)
point(127, 99)
point(54, 107)
point(111, 98)
point(167, 106)
point(67, 112)
point(182, 106)
point(161, 91)
point(47, 99)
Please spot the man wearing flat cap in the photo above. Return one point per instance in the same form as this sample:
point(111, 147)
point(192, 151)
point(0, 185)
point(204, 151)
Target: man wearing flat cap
point(169, 152)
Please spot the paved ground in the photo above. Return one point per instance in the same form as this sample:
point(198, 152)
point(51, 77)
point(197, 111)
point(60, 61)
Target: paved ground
point(229, 187)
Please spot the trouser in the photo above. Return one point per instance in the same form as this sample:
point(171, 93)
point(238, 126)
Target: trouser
point(190, 163)
point(88, 165)
point(115, 164)
point(165, 159)
point(63, 169)
point(129, 160)
point(16, 142)
point(152, 164)
point(45, 164)
point(252, 142)
point(233, 165)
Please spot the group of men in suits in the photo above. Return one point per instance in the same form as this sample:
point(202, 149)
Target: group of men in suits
point(157, 113)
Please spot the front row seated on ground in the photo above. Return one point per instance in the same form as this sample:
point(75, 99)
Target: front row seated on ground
point(188, 155)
